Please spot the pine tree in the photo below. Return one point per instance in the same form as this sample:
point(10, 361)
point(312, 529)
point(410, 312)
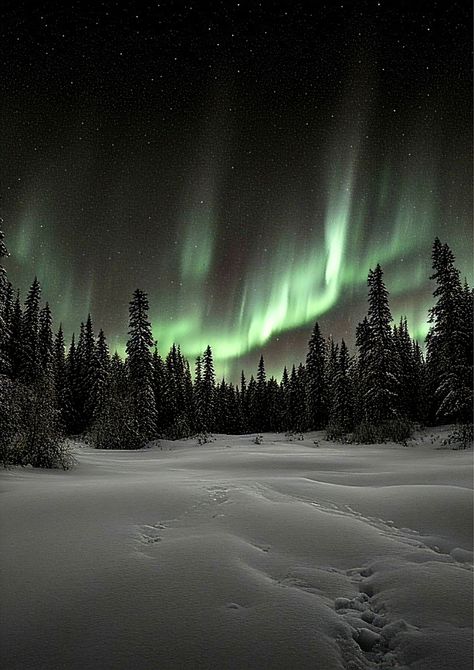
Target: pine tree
point(208, 385)
point(198, 398)
point(284, 400)
point(449, 343)
point(273, 405)
point(261, 406)
point(72, 418)
point(61, 385)
point(341, 408)
point(115, 425)
point(140, 367)
point(381, 384)
point(159, 382)
point(330, 368)
point(316, 383)
point(30, 361)
point(5, 367)
point(87, 373)
point(15, 343)
point(250, 405)
point(363, 337)
point(408, 373)
point(45, 341)
point(100, 385)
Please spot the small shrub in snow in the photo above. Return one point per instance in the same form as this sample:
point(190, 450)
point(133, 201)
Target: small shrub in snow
point(462, 436)
point(398, 430)
point(204, 438)
point(258, 439)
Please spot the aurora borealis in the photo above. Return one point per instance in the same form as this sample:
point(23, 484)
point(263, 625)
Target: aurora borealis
point(243, 163)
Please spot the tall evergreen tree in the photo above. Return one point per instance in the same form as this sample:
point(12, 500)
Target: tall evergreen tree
point(45, 341)
point(342, 396)
point(30, 360)
point(449, 342)
point(5, 367)
point(159, 382)
point(381, 382)
point(260, 400)
point(208, 385)
point(100, 384)
point(140, 366)
point(15, 343)
point(61, 382)
point(316, 382)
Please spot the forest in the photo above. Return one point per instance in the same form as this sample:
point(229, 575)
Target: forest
point(50, 390)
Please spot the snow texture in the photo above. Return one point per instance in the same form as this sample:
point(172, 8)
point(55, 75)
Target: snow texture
point(234, 555)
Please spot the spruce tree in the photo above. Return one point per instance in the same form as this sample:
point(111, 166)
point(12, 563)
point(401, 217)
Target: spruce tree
point(449, 343)
point(30, 366)
point(5, 366)
point(100, 384)
point(198, 397)
point(45, 341)
point(273, 401)
point(159, 374)
point(140, 367)
point(316, 383)
point(250, 405)
point(72, 419)
point(61, 385)
point(208, 386)
point(115, 425)
point(15, 342)
point(87, 374)
point(261, 406)
point(284, 400)
point(341, 409)
point(381, 383)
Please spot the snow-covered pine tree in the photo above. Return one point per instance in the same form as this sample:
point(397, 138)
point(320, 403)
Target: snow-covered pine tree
point(381, 383)
point(249, 416)
point(140, 367)
point(341, 409)
point(87, 358)
point(61, 385)
point(330, 367)
point(5, 365)
point(45, 341)
point(30, 366)
point(15, 345)
point(72, 419)
point(197, 393)
point(208, 386)
point(115, 425)
point(242, 396)
point(360, 370)
point(274, 405)
point(159, 374)
point(261, 406)
point(316, 383)
point(448, 343)
point(285, 400)
point(405, 363)
point(100, 385)
point(170, 393)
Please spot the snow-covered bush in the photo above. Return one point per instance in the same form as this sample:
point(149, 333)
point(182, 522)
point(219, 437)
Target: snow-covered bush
point(462, 436)
point(397, 430)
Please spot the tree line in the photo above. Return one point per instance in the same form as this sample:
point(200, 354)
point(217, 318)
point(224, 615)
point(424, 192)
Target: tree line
point(49, 390)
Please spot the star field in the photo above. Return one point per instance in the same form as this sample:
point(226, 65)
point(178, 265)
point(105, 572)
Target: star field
point(244, 163)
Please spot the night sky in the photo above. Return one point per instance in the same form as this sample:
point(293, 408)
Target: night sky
point(245, 163)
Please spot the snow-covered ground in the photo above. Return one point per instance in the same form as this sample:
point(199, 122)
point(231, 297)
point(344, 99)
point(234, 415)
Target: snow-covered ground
point(236, 555)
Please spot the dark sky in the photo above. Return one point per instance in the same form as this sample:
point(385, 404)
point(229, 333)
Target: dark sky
point(245, 163)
